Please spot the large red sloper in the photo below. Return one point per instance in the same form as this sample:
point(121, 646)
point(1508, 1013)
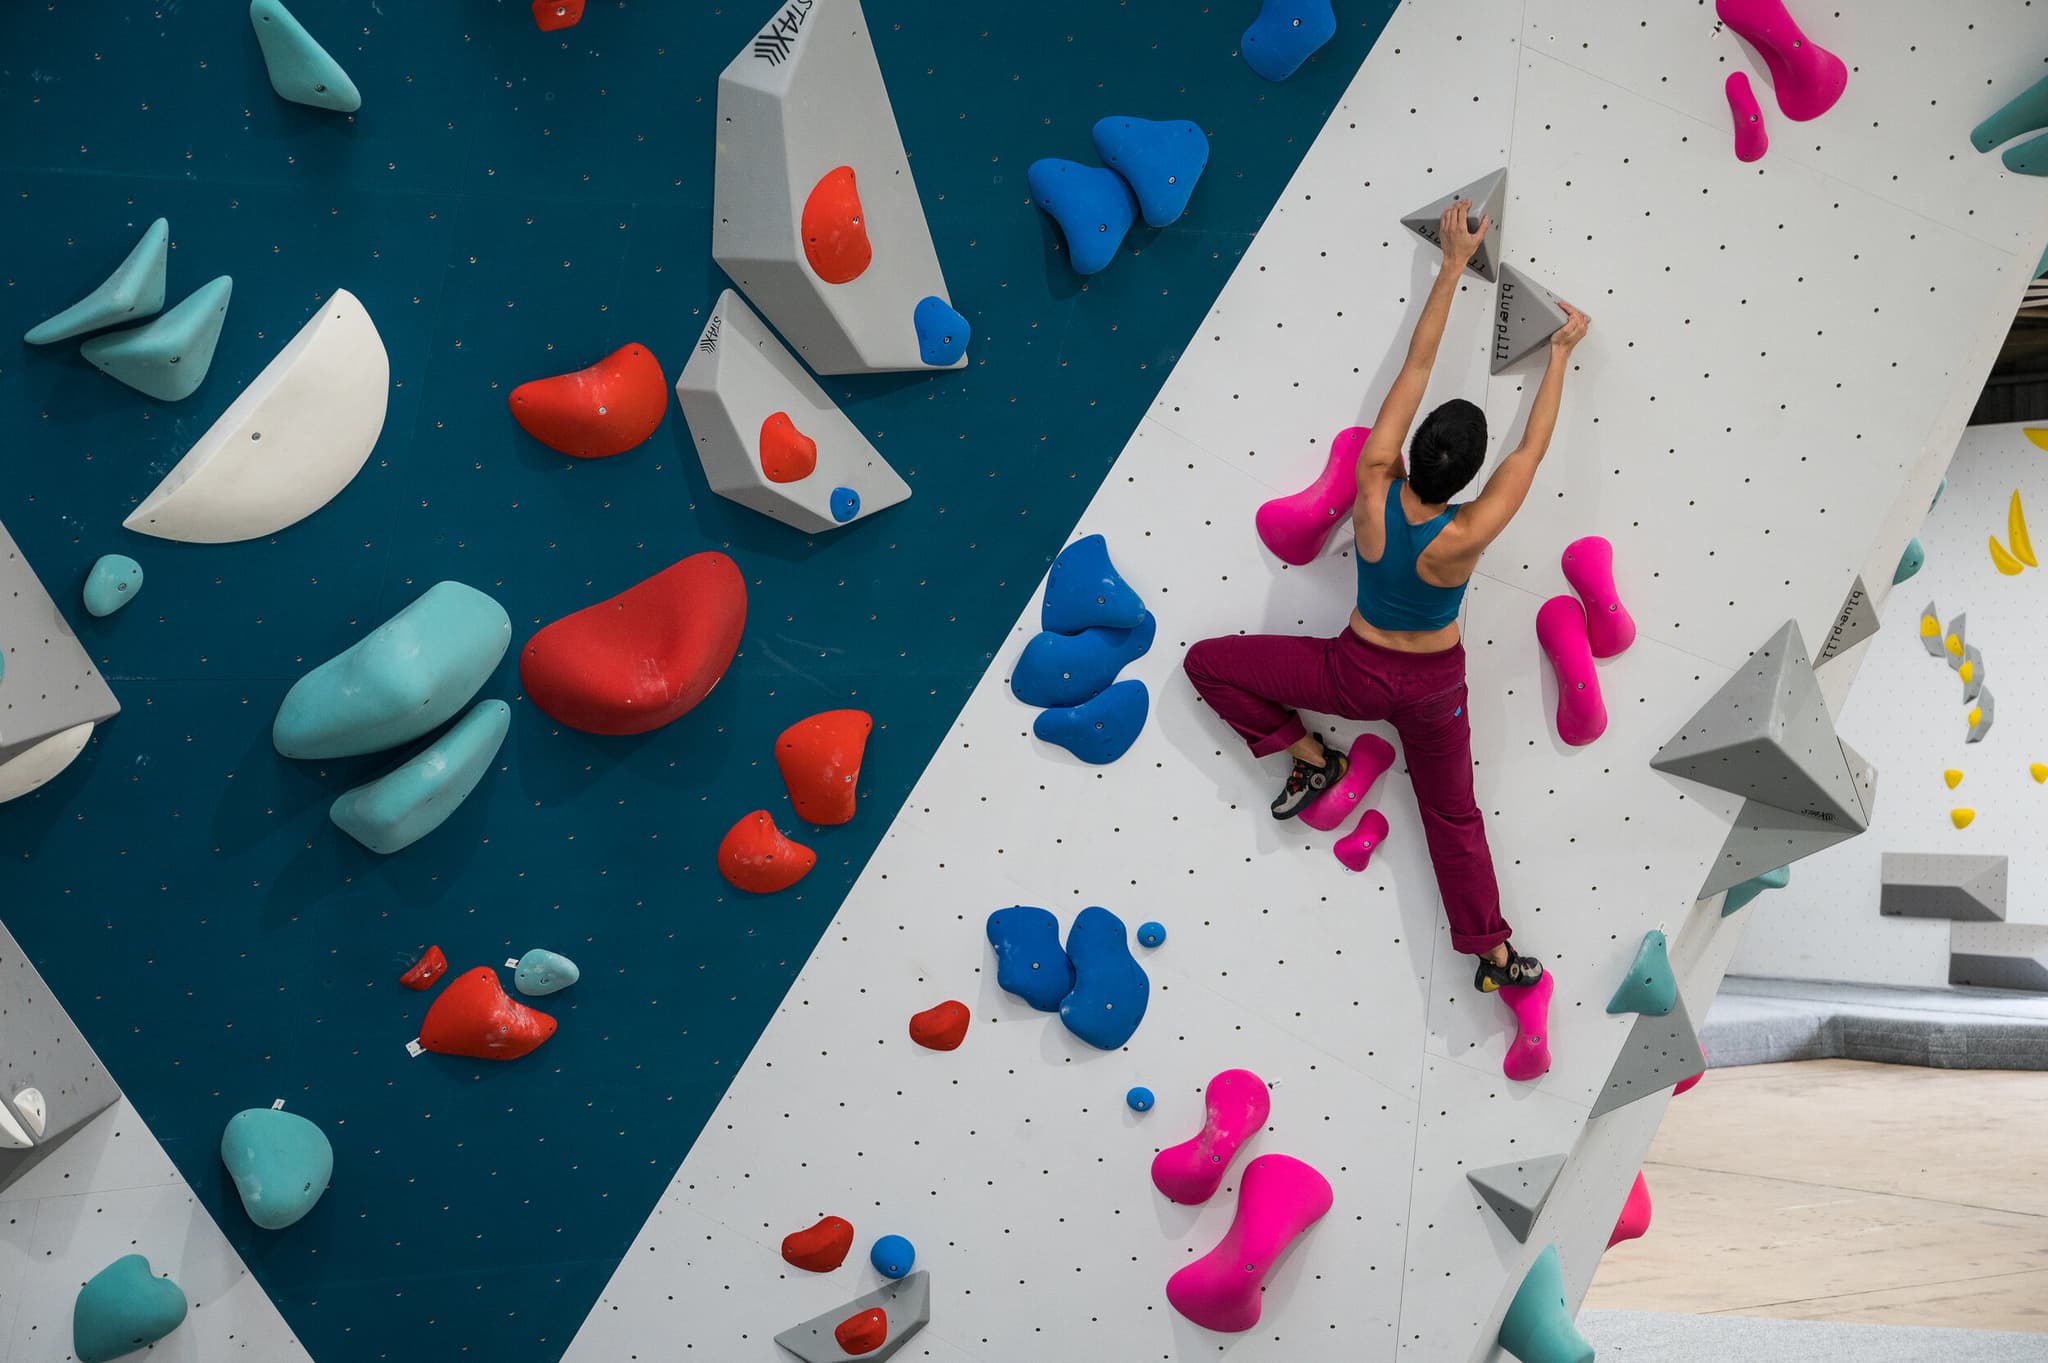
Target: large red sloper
point(820, 762)
point(593, 413)
point(474, 1016)
point(646, 657)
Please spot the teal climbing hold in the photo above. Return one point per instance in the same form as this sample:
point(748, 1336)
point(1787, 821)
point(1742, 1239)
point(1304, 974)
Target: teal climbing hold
point(1538, 1327)
point(402, 806)
point(122, 1308)
point(1160, 161)
point(168, 356)
point(300, 69)
point(1650, 987)
point(1286, 34)
point(2024, 113)
point(1101, 729)
point(133, 291)
point(1740, 895)
point(1910, 562)
point(2029, 157)
point(1093, 207)
point(1939, 488)
point(942, 333)
point(402, 680)
point(544, 972)
point(113, 582)
point(1084, 590)
point(280, 1162)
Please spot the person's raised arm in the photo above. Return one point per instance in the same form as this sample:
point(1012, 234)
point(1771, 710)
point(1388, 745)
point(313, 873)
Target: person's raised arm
point(1481, 522)
point(1382, 450)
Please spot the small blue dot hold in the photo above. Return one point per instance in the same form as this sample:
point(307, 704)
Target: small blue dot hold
point(1139, 1100)
point(892, 1256)
point(1151, 934)
point(845, 504)
point(942, 333)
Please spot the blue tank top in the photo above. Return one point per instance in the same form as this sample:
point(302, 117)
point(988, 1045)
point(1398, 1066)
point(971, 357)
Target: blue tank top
point(1390, 593)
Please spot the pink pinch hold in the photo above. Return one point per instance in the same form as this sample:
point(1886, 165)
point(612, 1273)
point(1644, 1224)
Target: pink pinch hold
point(1561, 629)
point(1687, 1083)
point(1751, 141)
point(1192, 1171)
point(1355, 848)
point(1297, 526)
point(1279, 1199)
point(1808, 77)
point(1589, 566)
point(1370, 756)
point(1528, 1054)
point(1635, 1214)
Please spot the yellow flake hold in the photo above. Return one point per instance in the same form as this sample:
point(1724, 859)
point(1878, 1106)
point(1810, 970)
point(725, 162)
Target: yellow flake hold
point(1929, 627)
point(2016, 531)
point(1954, 644)
point(1968, 671)
point(1961, 817)
point(1976, 714)
point(1955, 778)
point(2039, 771)
point(2004, 562)
point(2039, 435)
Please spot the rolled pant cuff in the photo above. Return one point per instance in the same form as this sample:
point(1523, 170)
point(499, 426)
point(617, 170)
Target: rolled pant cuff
point(1281, 739)
point(1480, 945)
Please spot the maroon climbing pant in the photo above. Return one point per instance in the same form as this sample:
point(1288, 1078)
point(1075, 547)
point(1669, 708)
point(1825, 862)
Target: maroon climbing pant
point(1256, 682)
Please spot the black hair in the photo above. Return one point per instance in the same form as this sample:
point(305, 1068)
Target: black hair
point(1446, 450)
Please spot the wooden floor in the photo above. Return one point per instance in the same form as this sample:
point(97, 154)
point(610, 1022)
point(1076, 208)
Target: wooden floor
point(1838, 1190)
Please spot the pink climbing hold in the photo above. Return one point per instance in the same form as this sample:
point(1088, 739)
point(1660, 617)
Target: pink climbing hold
point(1751, 141)
point(1561, 629)
point(1192, 1171)
point(1528, 1054)
point(1808, 77)
point(1371, 755)
point(1687, 1083)
point(1297, 526)
point(1635, 1214)
point(1355, 848)
point(1589, 566)
point(1279, 1199)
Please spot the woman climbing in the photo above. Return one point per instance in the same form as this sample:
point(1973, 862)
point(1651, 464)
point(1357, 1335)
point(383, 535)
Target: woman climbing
point(1402, 659)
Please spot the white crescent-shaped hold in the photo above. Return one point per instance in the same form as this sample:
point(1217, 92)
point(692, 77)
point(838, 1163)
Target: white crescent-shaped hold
point(31, 767)
point(34, 1113)
point(12, 1137)
point(288, 444)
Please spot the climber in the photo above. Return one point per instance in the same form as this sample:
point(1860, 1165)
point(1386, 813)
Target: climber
point(1402, 659)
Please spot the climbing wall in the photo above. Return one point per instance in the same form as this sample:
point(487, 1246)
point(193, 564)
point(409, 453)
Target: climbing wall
point(1781, 359)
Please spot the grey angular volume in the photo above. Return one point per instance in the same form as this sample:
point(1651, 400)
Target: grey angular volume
point(1660, 1053)
point(1931, 640)
point(1855, 622)
point(1517, 1192)
point(1764, 838)
point(51, 685)
point(1489, 196)
point(1999, 955)
point(1525, 315)
point(1980, 717)
point(908, 1305)
point(48, 1073)
point(1962, 887)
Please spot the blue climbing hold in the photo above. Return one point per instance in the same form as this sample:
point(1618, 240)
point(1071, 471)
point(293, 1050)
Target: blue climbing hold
point(404, 679)
point(1110, 988)
point(1030, 962)
point(122, 1308)
point(1066, 669)
point(405, 804)
point(1083, 590)
point(1093, 207)
point(544, 972)
point(845, 504)
point(133, 291)
point(1160, 161)
point(2029, 157)
point(300, 69)
point(1650, 987)
point(114, 581)
point(1910, 562)
point(166, 357)
point(1286, 34)
point(1740, 895)
point(942, 333)
point(2024, 113)
point(1101, 730)
point(892, 1256)
point(1151, 934)
point(1538, 1326)
point(280, 1163)
point(1139, 1099)
point(1939, 488)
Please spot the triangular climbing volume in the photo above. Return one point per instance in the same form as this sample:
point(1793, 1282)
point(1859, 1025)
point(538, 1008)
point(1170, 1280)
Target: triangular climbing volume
point(1660, 1053)
point(1525, 315)
point(1517, 1192)
point(1489, 197)
point(1855, 622)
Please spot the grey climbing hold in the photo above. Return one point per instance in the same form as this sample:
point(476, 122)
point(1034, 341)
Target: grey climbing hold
point(1973, 674)
point(133, 291)
point(1649, 987)
point(1962, 887)
point(1980, 717)
point(1517, 1192)
point(1955, 641)
point(1660, 1052)
point(1930, 637)
point(300, 69)
point(57, 1084)
point(1855, 622)
point(1489, 196)
point(52, 686)
point(168, 356)
point(1525, 315)
point(907, 1303)
point(1764, 839)
point(1999, 955)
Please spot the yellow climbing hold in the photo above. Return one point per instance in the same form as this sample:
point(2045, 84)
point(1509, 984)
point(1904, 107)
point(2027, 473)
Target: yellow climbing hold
point(1954, 644)
point(1955, 778)
point(1961, 817)
point(2039, 771)
point(1968, 671)
point(1929, 627)
point(1976, 714)
point(2004, 562)
point(2039, 435)
point(2016, 531)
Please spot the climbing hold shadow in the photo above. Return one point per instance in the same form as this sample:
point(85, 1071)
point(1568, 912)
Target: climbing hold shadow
point(280, 1163)
point(541, 972)
point(1160, 161)
point(1370, 757)
point(1286, 34)
point(821, 1247)
point(1528, 1055)
point(1741, 895)
point(755, 856)
point(595, 412)
point(1581, 710)
point(1751, 139)
point(1296, 527)
point(1279, 1198)
point(820, 761)
point(1525, 316)
point(1110, 989)
point(1634, 1221)
point(1807, 77)
point(1538, 1325)
point(834, 232)
point(1650, 986)
point(942, 333)
point(166, 357)
point(1030, 962)
point(941, 1027)
point(133, 291)
point(114, 581)
point(892, 1256)
point(300, 69)
point(1588, 565)
point(1236, 1104)
point(1083, 590)
point(1067, 669)
point(1100, 730)
point(2025, 112)
point(402, 806)
point(123, 1308)
point(475, 1017)
point(431, 966)
point(1093, 207)
point(1355, 848)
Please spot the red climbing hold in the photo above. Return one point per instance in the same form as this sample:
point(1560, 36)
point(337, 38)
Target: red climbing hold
point(820, 1248)
point(553, 14)
point(820, 761)
point(787, 454)
point(646, 657)
point(835, 237)
point(431, 966)
point(475, 1017)
point(864, 1333)
point(593, 413)
point(757, 858)
point(942, 1027)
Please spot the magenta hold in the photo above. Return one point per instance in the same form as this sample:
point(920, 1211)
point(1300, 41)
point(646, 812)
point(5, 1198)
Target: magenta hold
point(1192, 1171)
point(1561, 629)
point(1589, 566)
point(1370, 756)
point(1297, 526)
point(1528, 1054)
point(1355, 848)
point(1807, 77)
point(1751, 141)
point(1279, 1199)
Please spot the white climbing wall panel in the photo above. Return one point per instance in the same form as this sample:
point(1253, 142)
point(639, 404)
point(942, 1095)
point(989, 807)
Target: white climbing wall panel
point(1781, 354)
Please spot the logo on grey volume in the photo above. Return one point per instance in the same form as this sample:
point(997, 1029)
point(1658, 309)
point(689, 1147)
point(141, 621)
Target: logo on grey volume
point(774, 44)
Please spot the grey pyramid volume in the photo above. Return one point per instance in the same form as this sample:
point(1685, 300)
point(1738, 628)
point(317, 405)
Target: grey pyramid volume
point(1517, 1192)
point(1931, 639)
point(1973, 668)
point(1659, 1054)
point(907, 1304)
point(1959, 631)
point(51, 684)
point(1763, 838)
point(1959, 886)
point(1980, 717)
point(1855, 622)
point(1525, 315)
point(1489, 196)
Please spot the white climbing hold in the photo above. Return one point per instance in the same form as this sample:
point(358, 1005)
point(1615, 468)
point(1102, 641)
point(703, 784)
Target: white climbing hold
point(34, 1113)
point(33, 766)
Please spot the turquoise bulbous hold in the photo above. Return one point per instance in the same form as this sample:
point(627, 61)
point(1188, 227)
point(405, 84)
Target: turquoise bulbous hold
point(280, 1162)
point(122, 1308)
point(114, 581)
point(402, 806)
point(544, 972)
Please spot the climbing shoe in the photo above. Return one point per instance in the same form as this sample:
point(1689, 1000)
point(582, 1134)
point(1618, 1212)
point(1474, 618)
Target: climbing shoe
point(1520, 970)
point(1306, 782)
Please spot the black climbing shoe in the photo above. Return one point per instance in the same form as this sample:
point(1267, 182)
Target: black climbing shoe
point(1519, 970)
point(1306, 782)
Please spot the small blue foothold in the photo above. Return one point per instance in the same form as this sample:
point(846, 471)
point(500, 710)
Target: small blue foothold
point(1161, 162)
point(166, 357)
point(1093, 207)
point(1110, 988)
point(1286, 34)
point(1151, 934)
point(892, 1256)
point(1030, 962)
point(1910, 562)
point(1139, 1099)
point(942, 333)
point(1742, 894)
point(113, 582)
point(300, 69)
point(1083, 590)
point(1066, 669)
point(133, 291)
point(845, 504)
point(543, 972)
point(1101, 730)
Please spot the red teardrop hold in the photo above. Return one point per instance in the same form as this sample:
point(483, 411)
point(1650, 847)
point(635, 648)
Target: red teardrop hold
point(864, 1333)
point(475, 1017)
point(756, 857)
point(835, 235)
point(646, 657)
point(820, 762)
point(820, 1248)
point(431, 966)
point(941, 1027)
point(787, 454)
point(604, 410)
point(553, 14)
